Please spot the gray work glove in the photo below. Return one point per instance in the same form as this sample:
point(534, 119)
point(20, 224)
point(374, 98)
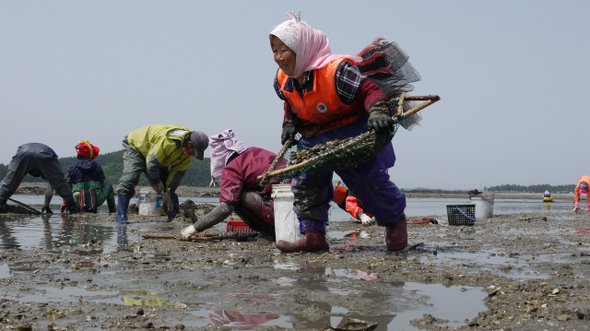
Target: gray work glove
point(159, 188)
point(218, 214)
point(380, 120)
point(46, 209)
point(288, 133)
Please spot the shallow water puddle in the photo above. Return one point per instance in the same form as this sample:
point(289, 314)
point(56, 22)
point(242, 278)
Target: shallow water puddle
point(512, 266)
point(5, 271)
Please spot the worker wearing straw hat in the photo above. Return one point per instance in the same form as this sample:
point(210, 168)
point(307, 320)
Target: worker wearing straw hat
point(325, 98)
point(37, 160)
point(582, 188)
point(236, 168)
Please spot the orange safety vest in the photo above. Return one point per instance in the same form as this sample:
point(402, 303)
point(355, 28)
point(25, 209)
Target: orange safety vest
point(321, 105)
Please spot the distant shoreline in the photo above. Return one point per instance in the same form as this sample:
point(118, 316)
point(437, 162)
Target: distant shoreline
point(190, 191)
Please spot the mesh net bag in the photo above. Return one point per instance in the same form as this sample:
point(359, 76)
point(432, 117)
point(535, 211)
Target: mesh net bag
point(386, 64)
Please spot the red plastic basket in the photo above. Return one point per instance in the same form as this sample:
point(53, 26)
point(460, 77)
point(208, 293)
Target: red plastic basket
point(239, 227)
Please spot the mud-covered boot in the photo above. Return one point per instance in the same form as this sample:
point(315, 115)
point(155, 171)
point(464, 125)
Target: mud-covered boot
point(111, 204)
point(121, 216)
point(396, 237)
point(312, 241)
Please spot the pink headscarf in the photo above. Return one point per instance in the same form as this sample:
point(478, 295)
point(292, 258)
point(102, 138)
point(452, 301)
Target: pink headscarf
point(313, 47)
point(222, 147)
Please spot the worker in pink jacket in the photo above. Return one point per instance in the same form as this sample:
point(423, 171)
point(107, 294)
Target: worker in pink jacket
point(582, 188)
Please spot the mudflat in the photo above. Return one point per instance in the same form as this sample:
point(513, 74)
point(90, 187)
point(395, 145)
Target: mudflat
point(527, 271)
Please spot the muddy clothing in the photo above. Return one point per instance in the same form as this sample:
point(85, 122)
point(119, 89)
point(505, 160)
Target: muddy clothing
point(242, 193)
point(370, 180)
point(583, 179)
point(158, 151)
point(86, 175)
point(37, 160)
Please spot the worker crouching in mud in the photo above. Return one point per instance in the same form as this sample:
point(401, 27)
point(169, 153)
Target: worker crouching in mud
point(325, 98)
point(236, 168)
point(582, 188)
point(37, 160)
point(87, 180)
point(163, 153)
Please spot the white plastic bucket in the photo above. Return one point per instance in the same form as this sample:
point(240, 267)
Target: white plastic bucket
point(150, 203)
point(484, 206)
point(286, 222)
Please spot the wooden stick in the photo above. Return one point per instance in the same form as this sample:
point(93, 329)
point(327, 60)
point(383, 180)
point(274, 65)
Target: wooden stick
point(422, 97)
point(263, 179)
point(24, 205)
point(400, 105)
point(430, 99)
point(158, 236)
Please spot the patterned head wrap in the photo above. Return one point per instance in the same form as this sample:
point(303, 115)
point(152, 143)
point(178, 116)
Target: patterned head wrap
point(86, 149)
point(311, 46)
point(222, 147)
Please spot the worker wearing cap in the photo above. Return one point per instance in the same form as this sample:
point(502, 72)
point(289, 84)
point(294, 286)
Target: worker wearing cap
point(582, 188)
point(37, 160)
point(87, 180)
point(163, 152)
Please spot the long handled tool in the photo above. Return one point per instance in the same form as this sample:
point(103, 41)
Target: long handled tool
point(263, 179)
point(25, 205)
point(363, 147)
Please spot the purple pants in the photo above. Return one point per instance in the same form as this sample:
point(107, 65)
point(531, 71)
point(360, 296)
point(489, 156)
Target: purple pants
point(369, 182)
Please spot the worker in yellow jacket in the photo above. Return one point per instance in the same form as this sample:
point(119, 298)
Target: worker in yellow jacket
point(163, 152)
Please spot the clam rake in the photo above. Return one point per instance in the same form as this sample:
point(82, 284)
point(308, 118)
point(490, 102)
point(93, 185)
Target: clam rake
point(349, 153)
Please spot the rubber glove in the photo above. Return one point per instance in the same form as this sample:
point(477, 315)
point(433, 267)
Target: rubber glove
point(46, 209)
point(167, 203)
point(187, 232)
point(587, 207)
point(159, 188)
point(365, 219)
point(288, 133)
point(576, 206)
point(380, 122)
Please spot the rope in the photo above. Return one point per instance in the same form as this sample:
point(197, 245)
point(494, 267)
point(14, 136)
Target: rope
point(471, 219)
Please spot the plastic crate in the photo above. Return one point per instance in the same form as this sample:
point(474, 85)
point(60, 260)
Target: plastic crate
point(239, 227)
point(461, 214)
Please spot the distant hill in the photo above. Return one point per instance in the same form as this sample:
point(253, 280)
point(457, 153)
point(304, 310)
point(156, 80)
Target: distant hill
point(198, 173)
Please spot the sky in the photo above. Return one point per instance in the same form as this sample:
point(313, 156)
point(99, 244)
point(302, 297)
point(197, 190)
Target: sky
point(513, 78)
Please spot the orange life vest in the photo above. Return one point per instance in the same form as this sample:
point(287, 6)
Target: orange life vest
point(321, 105)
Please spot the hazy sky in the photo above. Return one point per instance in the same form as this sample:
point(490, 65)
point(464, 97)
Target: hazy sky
point(513, 77)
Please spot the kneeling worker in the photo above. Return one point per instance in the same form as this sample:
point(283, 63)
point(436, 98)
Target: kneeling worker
point(87, 180)
point(236, 168)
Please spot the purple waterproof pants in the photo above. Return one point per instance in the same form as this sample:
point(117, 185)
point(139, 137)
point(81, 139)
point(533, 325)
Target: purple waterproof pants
point(369, 182)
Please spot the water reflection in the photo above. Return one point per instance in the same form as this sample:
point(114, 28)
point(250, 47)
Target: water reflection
point(122, 240)
point(234, 319)
point(50, 231)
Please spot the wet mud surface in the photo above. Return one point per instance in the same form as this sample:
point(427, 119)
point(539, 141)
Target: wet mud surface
point(512, 272)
